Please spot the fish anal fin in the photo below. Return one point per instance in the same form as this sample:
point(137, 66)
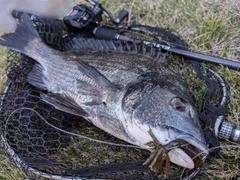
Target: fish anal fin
point(65, 104)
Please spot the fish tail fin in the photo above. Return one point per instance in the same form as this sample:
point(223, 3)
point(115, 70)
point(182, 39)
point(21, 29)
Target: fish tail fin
point(23, 35)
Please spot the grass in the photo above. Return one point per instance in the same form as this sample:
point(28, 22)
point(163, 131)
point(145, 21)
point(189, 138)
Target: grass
point(8, 171)
point(3, 76)
point(208, 26)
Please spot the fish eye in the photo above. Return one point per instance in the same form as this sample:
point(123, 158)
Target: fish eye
point(178, 104)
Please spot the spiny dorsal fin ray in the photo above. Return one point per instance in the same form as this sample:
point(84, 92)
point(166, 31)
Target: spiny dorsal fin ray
point(83, 45)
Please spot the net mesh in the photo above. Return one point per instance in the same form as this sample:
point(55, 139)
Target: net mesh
point(37, 137)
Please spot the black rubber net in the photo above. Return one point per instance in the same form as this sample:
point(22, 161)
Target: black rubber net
point(46, 143)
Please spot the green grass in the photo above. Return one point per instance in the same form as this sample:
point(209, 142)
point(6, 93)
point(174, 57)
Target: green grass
point(3, 77)
point(208, 26)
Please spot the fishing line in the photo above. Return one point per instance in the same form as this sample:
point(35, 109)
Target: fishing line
point(70, 133)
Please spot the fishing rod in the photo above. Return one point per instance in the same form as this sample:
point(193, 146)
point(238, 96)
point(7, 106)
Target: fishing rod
point(87, 18)
point(78, 19)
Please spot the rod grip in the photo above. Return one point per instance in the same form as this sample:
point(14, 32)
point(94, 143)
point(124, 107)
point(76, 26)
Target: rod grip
point(104, 33)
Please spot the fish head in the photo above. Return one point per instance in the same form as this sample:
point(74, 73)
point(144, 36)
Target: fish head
point(168, 111)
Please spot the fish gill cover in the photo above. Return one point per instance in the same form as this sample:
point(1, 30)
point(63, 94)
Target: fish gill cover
point(45, 142)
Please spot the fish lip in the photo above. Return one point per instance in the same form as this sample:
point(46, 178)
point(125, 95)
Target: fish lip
point(190, 154)
point(200, 146)
point(173, 135)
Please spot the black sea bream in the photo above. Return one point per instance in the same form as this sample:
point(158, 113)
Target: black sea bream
point(127, 95)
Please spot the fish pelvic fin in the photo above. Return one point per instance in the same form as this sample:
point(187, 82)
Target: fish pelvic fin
point(24, 34)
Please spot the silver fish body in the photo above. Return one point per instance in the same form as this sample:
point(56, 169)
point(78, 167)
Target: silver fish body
point(124, 94)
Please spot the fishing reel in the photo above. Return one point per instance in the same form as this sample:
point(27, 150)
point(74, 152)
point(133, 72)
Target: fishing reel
point(84, 16)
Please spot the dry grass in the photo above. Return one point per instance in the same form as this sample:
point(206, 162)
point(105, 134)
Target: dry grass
point(208, 26)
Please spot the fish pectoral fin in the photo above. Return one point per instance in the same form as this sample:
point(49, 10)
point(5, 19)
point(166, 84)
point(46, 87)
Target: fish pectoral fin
point(94, 74)
point(65, 104)
point(35, 77)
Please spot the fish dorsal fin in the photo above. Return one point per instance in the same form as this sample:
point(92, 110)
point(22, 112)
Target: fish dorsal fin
point(94, 74)
point(64, 103)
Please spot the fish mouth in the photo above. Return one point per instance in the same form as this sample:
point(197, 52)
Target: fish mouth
point(182, 149)
point(188, 154)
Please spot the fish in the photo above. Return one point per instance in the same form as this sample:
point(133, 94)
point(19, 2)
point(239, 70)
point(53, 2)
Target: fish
point(131, 96)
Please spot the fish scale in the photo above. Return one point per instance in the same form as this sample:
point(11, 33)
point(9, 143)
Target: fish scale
point(130, 66)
